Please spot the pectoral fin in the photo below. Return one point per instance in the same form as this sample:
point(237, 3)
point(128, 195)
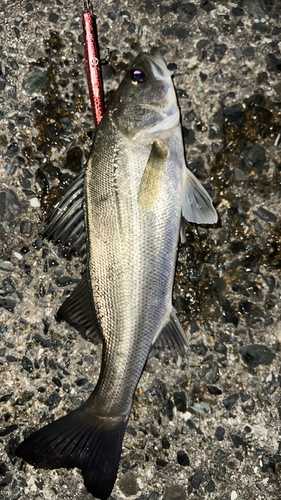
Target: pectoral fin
point(153, 176)
point(171, 336)
point(197, 204)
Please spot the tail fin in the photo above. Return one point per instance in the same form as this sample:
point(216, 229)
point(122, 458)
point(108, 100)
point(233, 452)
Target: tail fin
point(78, 440)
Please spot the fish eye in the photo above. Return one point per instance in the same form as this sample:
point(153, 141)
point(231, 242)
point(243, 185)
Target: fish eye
point(137, 76)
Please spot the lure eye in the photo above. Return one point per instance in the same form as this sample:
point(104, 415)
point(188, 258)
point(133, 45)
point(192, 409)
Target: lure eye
point(137, 76)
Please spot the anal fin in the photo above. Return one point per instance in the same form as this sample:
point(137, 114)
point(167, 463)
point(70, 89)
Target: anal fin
point(171, 336)
point(79, 310)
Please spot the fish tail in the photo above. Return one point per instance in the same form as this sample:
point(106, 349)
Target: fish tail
point(79, 440)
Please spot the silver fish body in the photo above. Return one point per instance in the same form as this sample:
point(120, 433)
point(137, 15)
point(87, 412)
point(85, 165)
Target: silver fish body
point(132, 254)
point(124, 213)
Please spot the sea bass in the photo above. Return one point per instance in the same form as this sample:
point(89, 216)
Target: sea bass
point(122, 214)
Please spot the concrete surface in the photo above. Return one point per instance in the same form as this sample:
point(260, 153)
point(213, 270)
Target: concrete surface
point(209, 428)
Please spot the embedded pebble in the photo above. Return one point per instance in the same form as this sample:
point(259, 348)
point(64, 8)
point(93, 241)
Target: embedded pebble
point(35, 80)
point(230, 401)
point(180, 401)
point(266, 215)
point(74, 159)
point(201, 408)
point(27, 364)
point(256, 10)
point(186, 12)
point(239, 175)
point(34, 202)
point(128, 484)
point(165, 442)
point(188, 136)
point(235, 115)
point(161, 463)
point(6, 265)
point(273, 63)
point(53, 18)
point(213, 375)
point(255, 354)
point(207, 6)
point(8, 285)
point(197, 479)
point(211, 487)
point(53, 400)
point(174, 492)
point(12, 150)
point(8, 304)
point(34, 51)
point(182, 458)
point(26, 227)
point(238, 441)
point(9, 205)
point(253, 154)
point(220, 432)
point(214, 390)
point(42, 180)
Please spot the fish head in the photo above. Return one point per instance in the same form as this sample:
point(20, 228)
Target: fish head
point(145, 103)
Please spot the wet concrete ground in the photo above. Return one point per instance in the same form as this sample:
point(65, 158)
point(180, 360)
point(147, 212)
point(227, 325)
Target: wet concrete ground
point(209, 427)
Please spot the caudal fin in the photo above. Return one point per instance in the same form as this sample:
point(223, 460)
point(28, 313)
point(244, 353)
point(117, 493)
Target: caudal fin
point(78, 440)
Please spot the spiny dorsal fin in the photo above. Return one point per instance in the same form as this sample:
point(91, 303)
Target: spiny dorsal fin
point(153, 176)
point(79, 311)
point(172, 336)
point(197, 204)
point(65, 224)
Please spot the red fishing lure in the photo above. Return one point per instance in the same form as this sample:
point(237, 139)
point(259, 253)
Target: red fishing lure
point(93, 64)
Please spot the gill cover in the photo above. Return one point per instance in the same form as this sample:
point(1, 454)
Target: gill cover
point(145, 103)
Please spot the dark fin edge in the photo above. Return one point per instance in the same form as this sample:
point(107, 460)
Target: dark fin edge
point(65, 224)
point(182, 237)
point(171, 337)
point(78, 440)
point(79, 310)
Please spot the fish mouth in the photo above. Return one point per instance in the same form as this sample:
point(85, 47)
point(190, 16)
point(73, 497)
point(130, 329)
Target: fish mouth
point(157, 63)
point(171, 115)
point(159, 67)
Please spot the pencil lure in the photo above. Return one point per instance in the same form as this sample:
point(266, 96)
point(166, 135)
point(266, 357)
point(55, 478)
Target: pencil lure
point(92, 64)
point(122, 214)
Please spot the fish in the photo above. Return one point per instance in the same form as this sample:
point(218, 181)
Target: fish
point(123, 215)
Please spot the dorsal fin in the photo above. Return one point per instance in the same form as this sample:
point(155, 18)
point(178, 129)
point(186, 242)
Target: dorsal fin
point(153, 176)
point(65, 224)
